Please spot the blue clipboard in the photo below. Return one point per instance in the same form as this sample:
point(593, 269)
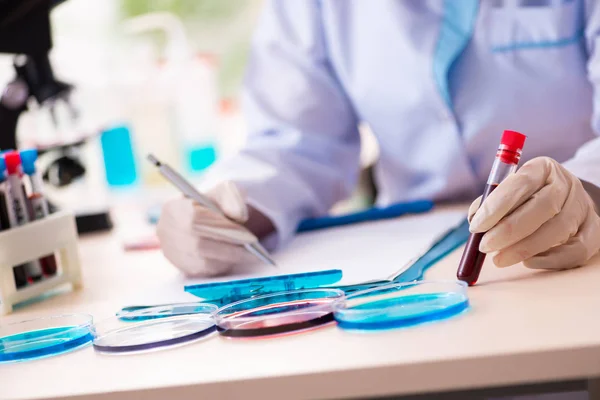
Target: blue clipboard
point(226, 292)
point(222, 293)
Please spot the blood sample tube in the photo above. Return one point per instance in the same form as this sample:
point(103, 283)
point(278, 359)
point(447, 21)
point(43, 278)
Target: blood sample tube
point(507, 159)
point(37, 200)
point(8, 220)
point(19, 207)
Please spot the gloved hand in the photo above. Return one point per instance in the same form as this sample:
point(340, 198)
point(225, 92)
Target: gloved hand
point(201, 242)
point(541, 216)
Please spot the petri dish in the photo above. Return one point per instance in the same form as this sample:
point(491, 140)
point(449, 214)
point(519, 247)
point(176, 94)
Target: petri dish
point(278, 313)
point(137, 333)
point(44, 337)
point(143, 313)
point(401, 304)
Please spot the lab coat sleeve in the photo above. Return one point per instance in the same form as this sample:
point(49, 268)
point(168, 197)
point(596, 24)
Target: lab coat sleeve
point(302, 151)
point(586, 162)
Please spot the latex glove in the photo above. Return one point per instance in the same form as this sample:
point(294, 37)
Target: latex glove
point(541, 216)
point(201, 242)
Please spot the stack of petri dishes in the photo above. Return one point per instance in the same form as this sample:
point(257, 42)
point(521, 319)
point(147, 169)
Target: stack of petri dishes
point(142, 328)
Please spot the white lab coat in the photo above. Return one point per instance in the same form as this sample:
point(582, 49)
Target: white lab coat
point(437, 82)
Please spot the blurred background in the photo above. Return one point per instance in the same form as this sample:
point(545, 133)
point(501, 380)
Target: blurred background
point(148, 76)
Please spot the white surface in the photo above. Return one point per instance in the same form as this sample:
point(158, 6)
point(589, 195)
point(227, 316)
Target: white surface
point(524, 327)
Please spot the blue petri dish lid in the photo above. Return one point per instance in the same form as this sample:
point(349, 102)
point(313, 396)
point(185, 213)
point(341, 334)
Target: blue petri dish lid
point(401, 305)
point(224, 293)
point(44, 337)
point(277, 313)
point(152, 329)
point(143, 313)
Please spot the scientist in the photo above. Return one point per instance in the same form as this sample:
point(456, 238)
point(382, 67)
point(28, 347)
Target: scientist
point(437, 82)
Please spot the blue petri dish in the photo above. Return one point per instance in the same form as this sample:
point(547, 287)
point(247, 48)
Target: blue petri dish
point(401, 305)
point(44, 337)
point(277, 313)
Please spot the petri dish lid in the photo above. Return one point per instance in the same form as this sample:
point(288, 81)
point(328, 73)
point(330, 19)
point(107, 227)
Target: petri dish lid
point(143, 313)
point(44, 337)
point(401, 304)
point(118, 335)
point(278, 313)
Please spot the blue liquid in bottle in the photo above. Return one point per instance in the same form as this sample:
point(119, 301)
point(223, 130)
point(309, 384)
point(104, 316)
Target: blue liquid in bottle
point(119, 159)
point(200, 158)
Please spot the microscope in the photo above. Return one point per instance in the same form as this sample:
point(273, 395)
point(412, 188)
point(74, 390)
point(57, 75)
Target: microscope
point(25, 33)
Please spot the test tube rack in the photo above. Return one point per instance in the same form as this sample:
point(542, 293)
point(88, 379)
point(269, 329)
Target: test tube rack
point(56, 234)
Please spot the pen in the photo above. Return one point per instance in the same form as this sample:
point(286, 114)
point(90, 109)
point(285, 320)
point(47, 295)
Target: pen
point(188, 190)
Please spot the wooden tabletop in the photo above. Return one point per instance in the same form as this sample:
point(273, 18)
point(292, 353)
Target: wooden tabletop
point(523, 327)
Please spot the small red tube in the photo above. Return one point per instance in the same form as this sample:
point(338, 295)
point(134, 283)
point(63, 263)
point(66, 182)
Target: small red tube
point(507, 159)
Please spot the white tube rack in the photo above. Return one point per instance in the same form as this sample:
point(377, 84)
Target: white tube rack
point(55, 234)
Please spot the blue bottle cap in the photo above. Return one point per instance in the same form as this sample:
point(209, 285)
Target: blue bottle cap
point(28, 159)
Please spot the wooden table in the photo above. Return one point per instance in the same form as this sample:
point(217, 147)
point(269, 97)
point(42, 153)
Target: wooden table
point(524, 327)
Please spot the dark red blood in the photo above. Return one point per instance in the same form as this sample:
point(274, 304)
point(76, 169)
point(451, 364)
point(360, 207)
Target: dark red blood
point(472, 259)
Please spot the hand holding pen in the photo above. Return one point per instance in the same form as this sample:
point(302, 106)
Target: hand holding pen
point(203, 234)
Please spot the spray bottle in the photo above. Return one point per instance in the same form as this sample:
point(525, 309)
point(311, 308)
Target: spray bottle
point(191, 84)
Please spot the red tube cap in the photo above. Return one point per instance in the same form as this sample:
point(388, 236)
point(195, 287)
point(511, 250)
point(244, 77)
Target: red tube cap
point(514, 140)
point(13, 162)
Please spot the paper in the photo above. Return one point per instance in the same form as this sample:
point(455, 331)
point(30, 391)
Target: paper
point(367, 251)
point(364, 252)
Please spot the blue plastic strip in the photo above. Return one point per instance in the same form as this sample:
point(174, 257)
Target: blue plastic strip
point(372, 214)
point(455, 33)
point(223, 293)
